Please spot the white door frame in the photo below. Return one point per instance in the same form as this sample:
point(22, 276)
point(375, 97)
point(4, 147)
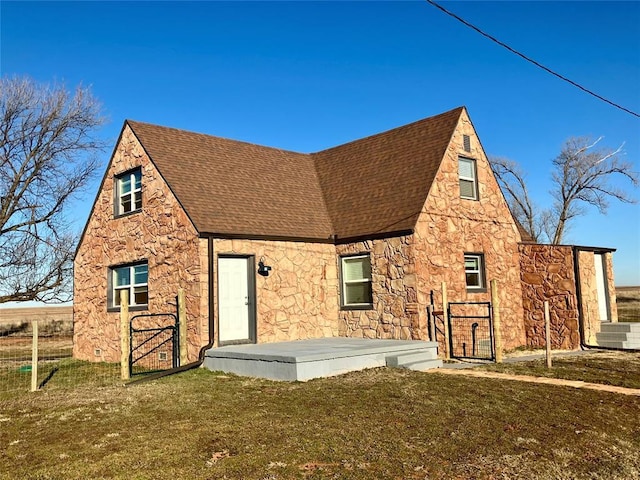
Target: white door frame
point(600, 263)
point(250, 303)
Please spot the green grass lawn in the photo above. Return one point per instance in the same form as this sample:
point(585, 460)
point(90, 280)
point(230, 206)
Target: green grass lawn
point(376, 424)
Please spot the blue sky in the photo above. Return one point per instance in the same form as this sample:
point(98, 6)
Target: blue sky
point(306, 76)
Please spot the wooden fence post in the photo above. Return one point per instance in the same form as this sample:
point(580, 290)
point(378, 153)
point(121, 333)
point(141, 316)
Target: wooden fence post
point(125, 340)
point(431, 323)
point(182, 322)
point(547, 332)
point(497, 333)
point(34, 356)
point(445, 316)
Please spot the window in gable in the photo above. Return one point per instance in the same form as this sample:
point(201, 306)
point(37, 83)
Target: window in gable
point(132, 278)
point(128, 197)
point(474, 271)
point(468, 178)
point(355, 274)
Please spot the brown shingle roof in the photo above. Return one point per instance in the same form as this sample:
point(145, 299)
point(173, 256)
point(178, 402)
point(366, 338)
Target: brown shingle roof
point(370, 186)
point(231, 187)
point(379, 184)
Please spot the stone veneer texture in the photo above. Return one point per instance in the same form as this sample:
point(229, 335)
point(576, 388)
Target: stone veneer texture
point(450, 226)
point(162, 234)
point(589, 294)
point(393, 282)
point(547, 273)
point(299, 298)
point(406, 269)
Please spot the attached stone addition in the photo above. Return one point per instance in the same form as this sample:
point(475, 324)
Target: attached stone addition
point(161, 234)
point(589, 294)
point(547, 274)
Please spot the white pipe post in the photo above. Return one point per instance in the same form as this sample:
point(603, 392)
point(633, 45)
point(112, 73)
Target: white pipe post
point(34, 356)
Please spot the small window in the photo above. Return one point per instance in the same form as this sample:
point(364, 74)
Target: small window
point(474, 271)
point(128, 192)
point(132, 278)
point(468, 178)
point(355, 273)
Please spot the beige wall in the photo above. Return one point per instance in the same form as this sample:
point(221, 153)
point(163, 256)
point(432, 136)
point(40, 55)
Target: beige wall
point(299, 298)
point(161, 234)
point(449, 226)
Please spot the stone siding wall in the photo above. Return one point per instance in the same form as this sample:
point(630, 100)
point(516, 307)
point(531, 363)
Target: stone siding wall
point(611, 287)
point(450, 226)
point(161, 233)
point(589, 293)
point(589, 296)
point(395, 304)
point(547, 273)
point(299, 298)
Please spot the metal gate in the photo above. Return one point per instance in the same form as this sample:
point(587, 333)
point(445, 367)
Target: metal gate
point(471, 330)
point(154, 342)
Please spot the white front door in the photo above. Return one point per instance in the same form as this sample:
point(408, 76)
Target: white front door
point(603, 303)
point(233, 294)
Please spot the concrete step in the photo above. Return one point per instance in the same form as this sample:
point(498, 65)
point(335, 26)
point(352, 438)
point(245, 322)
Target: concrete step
point(621, 345)
point(620, 327)
point(618, 336)
point(422, 366)
point(401, 359)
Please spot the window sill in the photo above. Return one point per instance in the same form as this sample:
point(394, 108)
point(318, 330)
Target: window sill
point(476, 290)
point(132, 212)
point(132, 308)
point(368, 306)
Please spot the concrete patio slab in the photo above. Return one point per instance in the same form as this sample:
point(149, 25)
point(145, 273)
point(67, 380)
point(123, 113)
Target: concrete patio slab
point(303, 360)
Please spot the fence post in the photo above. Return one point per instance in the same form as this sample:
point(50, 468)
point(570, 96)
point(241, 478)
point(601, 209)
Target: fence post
point(34, 356)
point(547, 332)
point(125, 340)
point(431, 323)
point(497, 334)
point(182, 323)
point(445, 315)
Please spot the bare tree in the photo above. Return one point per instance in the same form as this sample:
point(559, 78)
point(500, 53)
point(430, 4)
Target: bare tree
point(512, 182)
point(582, 176)
point(47, 157)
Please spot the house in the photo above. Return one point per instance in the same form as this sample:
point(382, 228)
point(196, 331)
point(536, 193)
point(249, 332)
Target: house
point(353, 241)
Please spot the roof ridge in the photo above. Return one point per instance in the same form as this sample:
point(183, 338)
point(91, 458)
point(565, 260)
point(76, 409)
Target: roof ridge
point(217, 137)
point(394, 129)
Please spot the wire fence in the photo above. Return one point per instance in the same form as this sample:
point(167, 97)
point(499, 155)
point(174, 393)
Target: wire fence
point(37, 352)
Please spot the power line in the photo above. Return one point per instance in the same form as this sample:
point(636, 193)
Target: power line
point(530, 60)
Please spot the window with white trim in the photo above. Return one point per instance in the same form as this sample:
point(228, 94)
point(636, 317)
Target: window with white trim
point(132, 278)
point(474, 271)
point(468, 178)
point(355, 273)
point(128, 192)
